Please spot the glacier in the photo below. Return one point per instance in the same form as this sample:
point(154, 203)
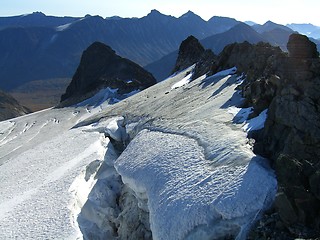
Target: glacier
point(165, 163)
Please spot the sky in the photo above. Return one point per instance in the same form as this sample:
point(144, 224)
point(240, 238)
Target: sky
point(279, 11)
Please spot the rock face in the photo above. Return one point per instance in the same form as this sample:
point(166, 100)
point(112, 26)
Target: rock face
point(259, 62)
point(10, 108)
point(292, 136)
point(288, 84)
point(99, 68)
point(192, 52)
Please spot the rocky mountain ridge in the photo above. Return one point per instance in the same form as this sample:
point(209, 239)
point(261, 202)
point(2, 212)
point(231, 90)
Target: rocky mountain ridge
point(287, 84)
point(100, 67)
point(48, 48)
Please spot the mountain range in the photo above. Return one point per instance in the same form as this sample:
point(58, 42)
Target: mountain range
point(185, 158)
point(42, 48)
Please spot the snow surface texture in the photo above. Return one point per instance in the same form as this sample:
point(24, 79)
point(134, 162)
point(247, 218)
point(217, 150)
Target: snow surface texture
point(205, 201)
point(40, 158)
point(189, 165)
point(173, 165)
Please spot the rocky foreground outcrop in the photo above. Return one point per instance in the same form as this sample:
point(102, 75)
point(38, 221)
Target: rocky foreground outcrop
point(100, 67)
point(288, 85)
point(291, 137)
point(10, 108)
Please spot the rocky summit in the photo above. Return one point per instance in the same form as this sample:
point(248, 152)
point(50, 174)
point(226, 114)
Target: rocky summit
point(192, 52)
point(100, 67)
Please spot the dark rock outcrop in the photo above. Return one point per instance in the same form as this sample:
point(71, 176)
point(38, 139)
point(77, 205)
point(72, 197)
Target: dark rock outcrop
point(299, 46)
point(10, 108)
point(292, 136)
point(260, 62)
point(192, 52)
point(289, 86)
point(99, 68)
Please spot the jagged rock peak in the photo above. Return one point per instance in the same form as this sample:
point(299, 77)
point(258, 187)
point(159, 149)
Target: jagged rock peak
point(299, 46)
point(155, 13)
point(190, 52)
point(189, 14)
point(100, 67)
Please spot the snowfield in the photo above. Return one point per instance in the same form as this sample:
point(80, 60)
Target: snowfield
point(170, 162)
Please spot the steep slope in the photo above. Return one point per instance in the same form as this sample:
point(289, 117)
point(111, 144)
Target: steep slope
point(10, 108)
point(100, 68)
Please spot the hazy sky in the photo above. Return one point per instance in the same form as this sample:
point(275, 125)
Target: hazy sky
point(280, 11)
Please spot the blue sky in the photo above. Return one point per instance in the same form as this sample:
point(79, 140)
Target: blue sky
point(280, 11)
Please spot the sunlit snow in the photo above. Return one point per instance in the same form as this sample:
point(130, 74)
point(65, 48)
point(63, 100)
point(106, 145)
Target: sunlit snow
point(182, 82)
point(174, 164)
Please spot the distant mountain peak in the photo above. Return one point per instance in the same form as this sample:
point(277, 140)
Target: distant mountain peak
point(243, 26)
point(189, 14)
point(270, 23)
point(218, 18)
point(38, 14)
point(250, 23)
point(154, 12)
